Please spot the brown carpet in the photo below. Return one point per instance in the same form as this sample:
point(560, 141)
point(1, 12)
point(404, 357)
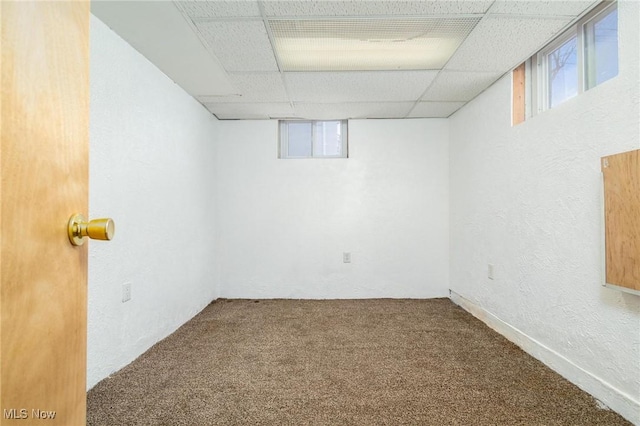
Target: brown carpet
point(346, 362)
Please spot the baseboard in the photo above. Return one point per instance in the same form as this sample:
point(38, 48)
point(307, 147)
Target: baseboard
point(613, 398)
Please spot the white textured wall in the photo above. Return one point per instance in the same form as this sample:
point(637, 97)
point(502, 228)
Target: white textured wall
point(527, 199)
point(284, 224)
point(152, 170)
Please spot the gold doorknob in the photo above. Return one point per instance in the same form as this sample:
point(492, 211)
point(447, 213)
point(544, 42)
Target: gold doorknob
point(97, 229)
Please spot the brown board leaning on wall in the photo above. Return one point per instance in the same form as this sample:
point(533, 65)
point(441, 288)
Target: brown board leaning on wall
point(621, 173)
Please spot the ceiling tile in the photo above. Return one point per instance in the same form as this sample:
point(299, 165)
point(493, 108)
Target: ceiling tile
point(161, 34)
point(540, 7)
point(435, 109)
point(454, 86)
point(369, 8)
point(368, 44)
point(219, 8)
point(383, 86)
point(250, 111)
point(499, 44)
point(318, 111)
point(253, 87)
point(239, 45)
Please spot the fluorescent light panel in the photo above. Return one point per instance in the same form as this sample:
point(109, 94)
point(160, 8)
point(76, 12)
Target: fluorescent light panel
point(368, 44)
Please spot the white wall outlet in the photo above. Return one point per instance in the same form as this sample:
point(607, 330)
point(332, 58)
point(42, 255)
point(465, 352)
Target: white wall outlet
point(490, 271)
point(346, 257)
point(126, 292)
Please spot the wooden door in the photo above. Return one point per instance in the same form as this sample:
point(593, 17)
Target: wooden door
point(44, 159)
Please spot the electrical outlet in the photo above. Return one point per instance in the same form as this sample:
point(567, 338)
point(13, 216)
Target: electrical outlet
point(126, 292)
point(490, 271)
point(346, 257)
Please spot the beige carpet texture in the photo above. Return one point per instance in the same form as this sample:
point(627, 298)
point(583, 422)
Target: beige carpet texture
point(339, 362)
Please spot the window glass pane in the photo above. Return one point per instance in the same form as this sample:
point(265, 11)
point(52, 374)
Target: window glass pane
point(299, 139)
point(313, 139)
point(327, 139)
point(562, 72)
point(601, 36)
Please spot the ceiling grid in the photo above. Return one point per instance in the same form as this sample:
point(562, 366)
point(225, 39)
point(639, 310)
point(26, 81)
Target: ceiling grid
point(422, 99)
point(275, 53)
point(341, 59)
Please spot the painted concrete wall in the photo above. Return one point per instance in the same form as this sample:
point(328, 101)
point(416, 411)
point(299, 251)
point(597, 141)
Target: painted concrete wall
point(284, 224)
point(152, 170)
point(527, 199)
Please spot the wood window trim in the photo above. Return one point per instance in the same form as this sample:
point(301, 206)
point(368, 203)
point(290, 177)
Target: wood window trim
point(518, 102)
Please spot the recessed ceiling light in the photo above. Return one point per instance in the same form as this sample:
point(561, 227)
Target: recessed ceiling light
point(368, 44)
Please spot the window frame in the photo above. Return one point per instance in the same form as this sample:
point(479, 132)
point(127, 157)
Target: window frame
point(539, 61)
point(283, 140)
point(599, 12)
point(542, 67)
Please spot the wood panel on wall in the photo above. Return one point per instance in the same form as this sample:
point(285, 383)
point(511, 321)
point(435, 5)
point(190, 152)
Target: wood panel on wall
point(519, 108)
point(621, 174)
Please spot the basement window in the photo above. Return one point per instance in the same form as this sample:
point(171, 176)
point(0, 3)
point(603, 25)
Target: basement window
point(580, 59)
point(601, 53)
point(313, 139)
point(560, 67)
point(583, 57)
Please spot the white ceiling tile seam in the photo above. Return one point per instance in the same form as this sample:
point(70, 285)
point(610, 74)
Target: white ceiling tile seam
point(244, 40)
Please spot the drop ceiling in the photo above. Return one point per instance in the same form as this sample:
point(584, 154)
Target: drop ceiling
point(304, 59)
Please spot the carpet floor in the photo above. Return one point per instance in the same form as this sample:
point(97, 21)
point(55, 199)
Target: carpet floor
point(346, 362)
